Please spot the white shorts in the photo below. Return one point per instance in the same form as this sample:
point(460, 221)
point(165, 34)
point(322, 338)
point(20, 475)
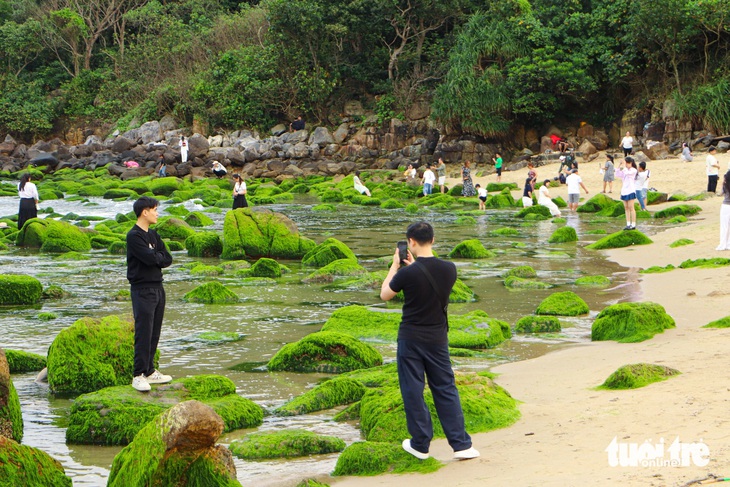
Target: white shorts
point(442, 180)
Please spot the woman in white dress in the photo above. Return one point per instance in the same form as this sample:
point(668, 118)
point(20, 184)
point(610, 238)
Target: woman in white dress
point(359, 187)
point(543, 198)
point(183, 149)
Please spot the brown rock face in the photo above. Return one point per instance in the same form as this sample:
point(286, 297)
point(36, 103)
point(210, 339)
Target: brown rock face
point(191, 425)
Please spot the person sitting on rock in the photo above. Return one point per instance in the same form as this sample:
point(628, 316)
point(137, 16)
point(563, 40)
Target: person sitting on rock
point(297, 124)
point(219, 170)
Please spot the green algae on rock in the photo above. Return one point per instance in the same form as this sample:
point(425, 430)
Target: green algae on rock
point(326, 395)
point(620, 239)
point(565, 303)
point(681, 242)
point(265, 267)
point(173, 228)
point(596, 281)
point(22, 465)
point(633, 376)
point(505, 232)
point(686, 210)
point(211, 293)
point(205, 270)
point(19, 289)
point(368, 458)
point(537, 324)
point(563, 234)
point(52, 236)
point(11, 417)
point(198, 219)
point(471, 249)
point(536, 210)
point(285, 444)
point(114, 415)
point(523, 271)
point(498, 187)
point(631, 322)
point(337, 268)
point(176, 448)
point(710, 263)
point(514, 282)
point(311, 483)
point(21, 361)
point(721, 323)
point(597, 203)
point(655, 269)
point(204, 244)
point(325, 351)
point(54, 292)
point(262, 233)
point(328, 251)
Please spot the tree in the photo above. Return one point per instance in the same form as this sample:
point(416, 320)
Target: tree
point(714, 18)
point(19, 44)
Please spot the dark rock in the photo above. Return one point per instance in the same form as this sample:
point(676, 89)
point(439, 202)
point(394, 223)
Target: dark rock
point(321, 137)
point(44, 159)
point(197, 146)
point(168, 123)
point(122, 144)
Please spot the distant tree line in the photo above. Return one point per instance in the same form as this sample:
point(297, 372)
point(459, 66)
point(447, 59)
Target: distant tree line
point(483, 65)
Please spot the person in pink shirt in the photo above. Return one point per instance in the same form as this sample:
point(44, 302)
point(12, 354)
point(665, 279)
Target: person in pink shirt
point(627, 172)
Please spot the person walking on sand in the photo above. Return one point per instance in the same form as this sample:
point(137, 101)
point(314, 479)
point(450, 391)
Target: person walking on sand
point(627, 172)
point(468, 186)
point(627, 144)
point(608, 174)
point(183, 149)
point(428, 179)
point(239, 192)
point(146, 257)
point(28, 194)
point(713, 169)
point(574, 183)
point(497, 159)
point(543, 198)
point(642, 184)
point(725, 214)
point(423, 344)
point(482, 194)
point(441, 173)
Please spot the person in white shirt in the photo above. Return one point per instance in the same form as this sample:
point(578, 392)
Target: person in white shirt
point(239, 192)
point(428, 179)
point(28, 194)
point(183, 149)
point(410, 173)
point(219, 170)
point(713, 168)
point(574, 183)
point(642, 184)
point(628, 190)
point(544, 199)
point(482, 194)
point(627, 144)
point(359, 187)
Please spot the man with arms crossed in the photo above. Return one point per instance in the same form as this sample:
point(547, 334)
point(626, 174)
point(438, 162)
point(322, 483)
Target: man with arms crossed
point(146, 257)
point(423, 344)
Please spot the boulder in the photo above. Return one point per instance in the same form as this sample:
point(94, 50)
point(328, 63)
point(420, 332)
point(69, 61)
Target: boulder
point(321, 137)
point(593, 281)
point(587, 148)
point(122, 144)
point(471, 249)
point(538, 324)
point(20, 361)
point(211, 293)
point(620, 239)
point(523, 271)
point(285, 444)
point(328, 251)
point(722, 146)
point(197, 146)
point(198, 219)
point(19, 289)
point(341, 133)
point(631, 322)
point(368, 458)
point(597, 203)
point(335, 269)
point(204, 244)
point(27, 466)
point(418, 110)
point(173, 228)
point(299, 150)
point(262, 233)
point(149, 132)
point(113, 416)
point(656, 150)
point(176, 448)
point(633, 376)
point(325, 351)
point(296, 137)
point(52, 236)
point(565, 303)
point(563, 234)
point(11, 418)
point(331, 393)
point(265, 267)
point(168, 123)
point(278, 129)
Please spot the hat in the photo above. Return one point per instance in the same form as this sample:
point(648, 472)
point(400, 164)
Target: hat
point(562, 158)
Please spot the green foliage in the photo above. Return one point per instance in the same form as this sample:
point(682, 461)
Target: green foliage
point(25, 107)
point(708, 103)
point(285, 444)
point(633, 376)
point(630, 322)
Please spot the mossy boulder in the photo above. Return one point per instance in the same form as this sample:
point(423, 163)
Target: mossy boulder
point(92, 354)
point(337, 268)
point(597, 203)
point(116, 193)
point(54, 292)
point(174, 229)
point(11, 418)
point(675, 219)
point(630, 322)
point(471, 249)
point(499, 187)
point(500, 200)
point(114, 415)
point(164, 186)
point(328, 251)
point(53, 236)
point(624, 238)
point(594, 281)
point(326, 395)
point(563, 234)
point(685, 210)
point(285, 444)
point(523, 271)
point(198, 219)
point(534, 210)
point(710, 263)
point(325, 351)
point(538, 324)
point(633, 376)
point(19, 289)
point(367, 458)
point(176, 448)
point(22, 465)
point(204, 244)
point(465, 220)
point(20, 361)
point(514, 282)
point(265, 267)
point(565, 303)
point(205, 270)
point(211, 293)
point(118, 248)
point(262, 233)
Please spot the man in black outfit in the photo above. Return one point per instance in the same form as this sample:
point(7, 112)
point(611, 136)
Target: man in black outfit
point(423, 344)
point(146, 257)
point(297, 124)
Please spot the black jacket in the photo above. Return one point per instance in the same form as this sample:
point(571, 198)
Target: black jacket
point(146, 257)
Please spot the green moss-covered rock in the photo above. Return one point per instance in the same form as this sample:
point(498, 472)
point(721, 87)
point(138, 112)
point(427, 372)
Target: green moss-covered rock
point(11, 418)
point(22, 465)
point(368, 458)
point(597, 203)
point(205, 270)
point(118, 247)
point(325, 351)
point(676, 219)
point(20, 361)
point(524, 271)
point(721, 323)
point(334, 392)
point(285, 444)
point(391, 204)
point(324, 207)
point(174, 245)
point(563, 234)
point(596, 281)
point(211, 293)
point(164, 186)
point(19, 289)
point(115, 193)
point(465, 220)
point(265, 267)
point(630, 322)
point(176, 448)
point(655, 269)
point(114, 415)
point(262, 233)
point(328, 251)
point(54, 292)
point(174, 229)
point(624, 238)
point(204, 244)
point(337, 268)
point(471, 249)
point(566, 303)
point(534, 210)
point(710, 263)
point(538, 324)
point(500, 200)
point(514, 282)
point(198, 219)
point(52, 236)
point(633, 376)
point(505, 232)
point(685, 210)
point(499, 187)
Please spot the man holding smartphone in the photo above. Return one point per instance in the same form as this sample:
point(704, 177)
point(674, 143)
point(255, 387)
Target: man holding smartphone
point(423, 344)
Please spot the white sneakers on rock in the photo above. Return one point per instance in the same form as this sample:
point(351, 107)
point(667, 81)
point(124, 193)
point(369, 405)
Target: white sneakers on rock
point(157, 377)
point(140, 383)
point(466, 454)
point(407, 447)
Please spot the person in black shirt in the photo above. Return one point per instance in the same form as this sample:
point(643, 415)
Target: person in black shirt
point(423, 344)
point(297, 124)
point(146, 257)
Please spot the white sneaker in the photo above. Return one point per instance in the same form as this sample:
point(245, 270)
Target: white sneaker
point(407, 447)
point(140, 383)
point(466, 454)
point(158, 378)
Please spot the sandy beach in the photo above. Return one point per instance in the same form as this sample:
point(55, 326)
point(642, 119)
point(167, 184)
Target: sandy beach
point(566, 424)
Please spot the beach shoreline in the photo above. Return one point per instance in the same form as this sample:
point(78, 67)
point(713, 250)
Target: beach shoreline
point(566, 424)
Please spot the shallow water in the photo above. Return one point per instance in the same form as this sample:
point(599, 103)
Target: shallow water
point(272, 315)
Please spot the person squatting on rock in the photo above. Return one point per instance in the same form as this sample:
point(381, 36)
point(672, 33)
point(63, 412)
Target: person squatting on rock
point(219, 170)
point(423, 344)
point(239, 192)
point(146, 257)
point(28, 194)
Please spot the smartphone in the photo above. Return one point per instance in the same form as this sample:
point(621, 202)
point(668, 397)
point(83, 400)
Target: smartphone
point(403, 251)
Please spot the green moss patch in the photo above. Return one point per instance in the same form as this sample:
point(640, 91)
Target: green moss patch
point(505, 232)
point(204, 244)
point(655, 269)
point(596, 281)
point(543, 211)
point(566, 303)
point(328, 251)
point(721, 323)
point(19, 289)
point(325, 351)
point(563, 234)
point(630, 322)
point(372, 458)
point(211, 293)
point(681, 242)
point(11, 418)
point(20, 361)
point(706, 263)
point(514, 282)
point(198, 219)
point(471, 249)
point(334, 392)
point(53, 236)
point(686, 210)
point(265, 267)
point(22, 465)
point(262, 234)
point(173, 228)
point(624, 238)
point(537, 324)
point(285, 444)
point(633, 376)
point(113, 416)
point(597, 203)
point(523, 271)
point(54, 292)
point(335, 269)
point(500, 200)
point(676, 219)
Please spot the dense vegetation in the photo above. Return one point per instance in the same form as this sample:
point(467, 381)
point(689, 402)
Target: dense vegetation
point(483, 65)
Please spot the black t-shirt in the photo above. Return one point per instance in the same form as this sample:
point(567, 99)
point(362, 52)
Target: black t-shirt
point(297, 125)
point(528, 187)
point(423, 318)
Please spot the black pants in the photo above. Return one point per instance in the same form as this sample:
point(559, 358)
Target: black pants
point(416, 359)
point(712, 183)
point(148, 307)
point(26, 211)
point(627, 152)
point(240, 201)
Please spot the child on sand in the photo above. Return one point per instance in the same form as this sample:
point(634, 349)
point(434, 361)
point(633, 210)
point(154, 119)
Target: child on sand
point(574, 183)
